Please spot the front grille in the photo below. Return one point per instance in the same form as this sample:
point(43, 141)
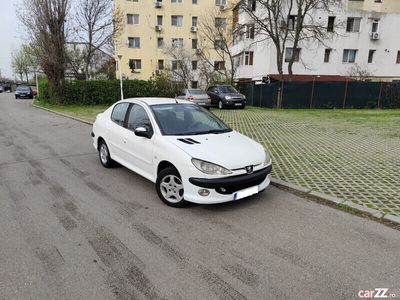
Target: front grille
point(225, 190)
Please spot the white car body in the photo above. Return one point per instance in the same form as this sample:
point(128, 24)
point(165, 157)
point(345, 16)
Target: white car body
point(145, 156)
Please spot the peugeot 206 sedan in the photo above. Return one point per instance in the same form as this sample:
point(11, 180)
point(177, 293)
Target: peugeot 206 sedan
point(190, 154)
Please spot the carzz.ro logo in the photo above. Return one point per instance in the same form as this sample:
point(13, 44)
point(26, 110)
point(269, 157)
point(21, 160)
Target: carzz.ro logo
point(377, 293)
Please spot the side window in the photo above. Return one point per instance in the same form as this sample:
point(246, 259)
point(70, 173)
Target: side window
point(139, 118)
point(119, 112)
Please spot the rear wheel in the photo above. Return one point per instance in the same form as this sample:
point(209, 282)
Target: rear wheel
point(104, 155)
point(170, 188)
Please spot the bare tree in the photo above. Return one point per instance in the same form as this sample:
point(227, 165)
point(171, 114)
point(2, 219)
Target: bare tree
point(98, 23)
point(181, 60)
point(290, 22)
point(20, 64)
point(359, 72)
point(45, 24)
point(215, 44)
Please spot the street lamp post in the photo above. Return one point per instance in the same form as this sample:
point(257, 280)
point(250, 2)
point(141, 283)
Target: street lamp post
point(120, 75)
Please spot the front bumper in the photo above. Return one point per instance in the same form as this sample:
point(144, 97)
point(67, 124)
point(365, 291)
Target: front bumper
point(234, 103)
point(224, 189)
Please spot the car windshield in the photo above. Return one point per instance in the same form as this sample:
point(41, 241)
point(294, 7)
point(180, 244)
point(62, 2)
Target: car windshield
point(187, 119)
point(23, 88)
point(227, 89)
point(197, 92)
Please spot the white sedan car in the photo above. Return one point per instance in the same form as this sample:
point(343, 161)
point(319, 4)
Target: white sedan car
point(188, 152)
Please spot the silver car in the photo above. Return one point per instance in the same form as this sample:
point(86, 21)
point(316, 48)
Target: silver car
point(197, 96)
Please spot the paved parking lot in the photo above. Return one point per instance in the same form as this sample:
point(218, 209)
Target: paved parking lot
point(354, 157)
point(70, 229)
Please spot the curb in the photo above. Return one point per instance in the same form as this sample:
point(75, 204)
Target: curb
point(62, 114)
point(338, 202)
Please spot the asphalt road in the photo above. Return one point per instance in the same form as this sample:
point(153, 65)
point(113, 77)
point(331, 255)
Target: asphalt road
point(71, 229)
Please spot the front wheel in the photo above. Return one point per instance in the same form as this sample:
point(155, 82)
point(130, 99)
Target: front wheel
point(170, 188)
point(104, 155)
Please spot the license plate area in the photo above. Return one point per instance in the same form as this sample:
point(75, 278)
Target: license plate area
point(245, 193)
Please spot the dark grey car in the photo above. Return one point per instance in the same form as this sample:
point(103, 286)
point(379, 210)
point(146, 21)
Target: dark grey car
point(23, 91)
point(226, 96)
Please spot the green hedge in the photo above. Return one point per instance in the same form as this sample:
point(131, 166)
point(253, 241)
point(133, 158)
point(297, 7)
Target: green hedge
point(90, 92)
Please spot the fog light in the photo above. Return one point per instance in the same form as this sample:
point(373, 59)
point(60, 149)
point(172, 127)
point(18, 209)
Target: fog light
point(204, 192)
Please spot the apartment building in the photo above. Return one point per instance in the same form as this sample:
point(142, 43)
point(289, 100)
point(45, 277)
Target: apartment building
point(362, 36)
point(153, 27)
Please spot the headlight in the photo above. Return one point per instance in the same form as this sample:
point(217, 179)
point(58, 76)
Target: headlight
point(209, 168)
point(267, 160)
point(228, 97)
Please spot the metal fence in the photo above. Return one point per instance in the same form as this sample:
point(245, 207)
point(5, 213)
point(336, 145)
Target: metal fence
point(322, 94)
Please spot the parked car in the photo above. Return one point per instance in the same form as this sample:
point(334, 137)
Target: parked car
point(23, 91)
point(226, 96)
point(1, 89)
point(197, 96)
point(190, 154)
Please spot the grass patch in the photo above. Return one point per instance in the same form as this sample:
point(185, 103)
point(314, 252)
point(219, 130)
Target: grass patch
point(85, 112)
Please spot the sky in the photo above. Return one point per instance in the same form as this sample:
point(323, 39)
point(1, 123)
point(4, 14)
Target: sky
point(10, 35)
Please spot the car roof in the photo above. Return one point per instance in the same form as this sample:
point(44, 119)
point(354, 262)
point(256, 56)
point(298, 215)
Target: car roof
point(155, 100)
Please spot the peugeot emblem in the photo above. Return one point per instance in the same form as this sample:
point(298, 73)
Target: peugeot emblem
point(249, 169)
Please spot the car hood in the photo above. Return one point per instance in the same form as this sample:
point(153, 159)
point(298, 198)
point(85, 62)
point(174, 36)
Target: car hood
point(231, 150)
point(233, 95)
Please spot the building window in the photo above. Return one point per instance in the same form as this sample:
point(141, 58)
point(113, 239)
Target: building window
point(160, 42)
point(353, 24)
point(250, 31)
point(248, 58)
point(174, 65)
point(331, 24)
point(134, 42)
point(176, 1)
point(194, 1)
point(251, 5)
point(219, 65)
point(220, 22)
point(371, 56)
point(161, 64)
point(132, 19)
point(349, 55)
point(177, 21)
point(220, 2)
point(292, 22)
point(289, 53)
point(194, 64)
point(218, 44)
point(398, 57)
point(135, 64)
point(159, 20)
point(177, 43)
point(194, 43)
point(375, 26)
point(327, 55)
point(195, 84)
point(194, 21)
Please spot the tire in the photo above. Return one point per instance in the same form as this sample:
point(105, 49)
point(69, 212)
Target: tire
point(220, 104)
point(16, 97)
point(104, 155)
point(169, 188)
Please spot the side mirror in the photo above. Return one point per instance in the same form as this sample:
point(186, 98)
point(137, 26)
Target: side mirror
point(141, 131)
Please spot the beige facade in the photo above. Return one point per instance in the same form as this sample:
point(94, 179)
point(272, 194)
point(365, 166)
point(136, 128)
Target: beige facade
point(148, 21)
point(383, 6)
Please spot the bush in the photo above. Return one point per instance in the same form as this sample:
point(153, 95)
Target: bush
point(92, 92)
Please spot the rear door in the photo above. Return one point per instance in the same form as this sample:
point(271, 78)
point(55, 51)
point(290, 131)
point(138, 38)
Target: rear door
point(116, 131)
point(139, 150)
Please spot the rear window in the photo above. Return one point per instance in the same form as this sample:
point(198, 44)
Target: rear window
point(197, 92)
point(119, 113)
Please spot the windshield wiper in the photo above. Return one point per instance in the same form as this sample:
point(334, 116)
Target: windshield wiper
point(215, 131)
